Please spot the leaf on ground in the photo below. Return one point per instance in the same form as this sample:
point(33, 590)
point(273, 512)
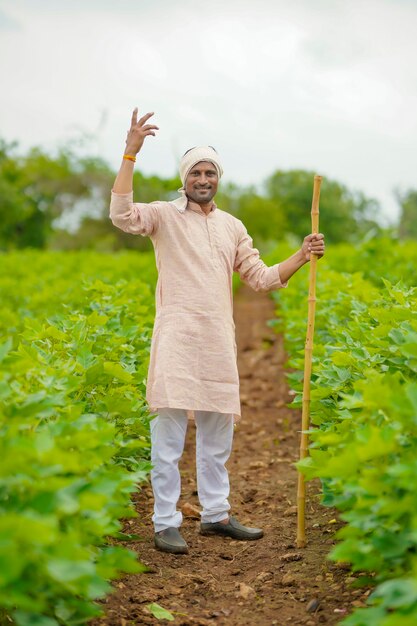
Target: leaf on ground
point(189, 510)
point(159, 612)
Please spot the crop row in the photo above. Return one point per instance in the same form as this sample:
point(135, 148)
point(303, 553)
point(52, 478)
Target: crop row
point(363, 413)
point(73, 428)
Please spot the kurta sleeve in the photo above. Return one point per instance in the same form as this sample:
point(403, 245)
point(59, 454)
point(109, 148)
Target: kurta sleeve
point(252, 270)
point(137, 218)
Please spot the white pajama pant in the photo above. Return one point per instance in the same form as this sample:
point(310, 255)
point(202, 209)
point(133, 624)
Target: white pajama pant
point(213, 446)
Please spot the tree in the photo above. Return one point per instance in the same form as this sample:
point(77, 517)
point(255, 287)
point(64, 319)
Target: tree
point(263, 218)
point(407, 228)
point(95, 229)
point(36, 189)
point(344, 215)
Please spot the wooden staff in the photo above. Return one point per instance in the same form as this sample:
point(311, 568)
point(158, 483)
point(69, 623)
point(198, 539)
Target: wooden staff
point(305, 420)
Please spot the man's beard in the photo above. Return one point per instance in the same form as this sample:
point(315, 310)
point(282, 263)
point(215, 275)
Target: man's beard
point(201, 198)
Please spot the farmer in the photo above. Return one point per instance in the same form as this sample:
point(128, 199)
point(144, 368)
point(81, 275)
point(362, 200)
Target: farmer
point(193, 371)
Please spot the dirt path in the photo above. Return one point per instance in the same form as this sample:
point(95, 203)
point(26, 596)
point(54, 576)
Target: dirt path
point(230, 583)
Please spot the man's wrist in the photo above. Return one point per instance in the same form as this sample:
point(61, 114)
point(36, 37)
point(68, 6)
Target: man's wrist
point(300, 256)
point(131, 151)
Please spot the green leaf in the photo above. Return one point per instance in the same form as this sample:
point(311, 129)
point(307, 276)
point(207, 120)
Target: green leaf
point(397, 593)
point(23, 618)
point(411, 392)
point(93, 374)
point(117, 371)
point(95, 319)
point(342, 358)
point(409, 349)
point(66, 570)
point(5, 348)
point(128, 537)
point(159, 612)
point(372, 616)
point(85, 356)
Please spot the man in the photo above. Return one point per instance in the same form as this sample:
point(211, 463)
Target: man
point(192, 369)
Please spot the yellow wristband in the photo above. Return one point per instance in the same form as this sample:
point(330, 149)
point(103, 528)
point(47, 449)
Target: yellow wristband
point(129, 157)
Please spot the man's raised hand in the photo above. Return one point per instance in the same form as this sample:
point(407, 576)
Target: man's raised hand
point(138, 131)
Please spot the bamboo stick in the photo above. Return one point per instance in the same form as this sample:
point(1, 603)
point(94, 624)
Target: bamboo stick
point(305, 419)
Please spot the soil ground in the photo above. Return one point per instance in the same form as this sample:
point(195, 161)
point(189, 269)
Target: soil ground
point(230, 583)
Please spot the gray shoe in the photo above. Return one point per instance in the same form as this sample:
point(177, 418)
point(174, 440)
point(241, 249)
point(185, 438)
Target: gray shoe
point(170, 540)
point(232, 529)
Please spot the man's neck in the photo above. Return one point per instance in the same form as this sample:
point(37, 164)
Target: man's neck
point(206, 208)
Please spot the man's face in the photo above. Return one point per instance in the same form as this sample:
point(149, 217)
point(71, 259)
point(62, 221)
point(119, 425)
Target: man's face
point(201, 183)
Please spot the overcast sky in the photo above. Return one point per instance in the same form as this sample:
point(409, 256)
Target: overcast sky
point(329, 85)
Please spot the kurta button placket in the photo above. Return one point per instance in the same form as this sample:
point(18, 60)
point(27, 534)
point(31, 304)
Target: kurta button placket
point(210, 238)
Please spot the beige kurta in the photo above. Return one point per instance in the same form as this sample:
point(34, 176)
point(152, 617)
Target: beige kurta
point(193, 352)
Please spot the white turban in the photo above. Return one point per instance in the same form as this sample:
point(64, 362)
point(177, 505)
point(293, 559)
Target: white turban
point(191, 158)
point(194, 156)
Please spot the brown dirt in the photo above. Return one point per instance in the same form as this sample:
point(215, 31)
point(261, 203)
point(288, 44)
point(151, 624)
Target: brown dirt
point(231, 583)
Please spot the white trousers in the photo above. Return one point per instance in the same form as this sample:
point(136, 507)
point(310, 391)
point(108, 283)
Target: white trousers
point(213, 446)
